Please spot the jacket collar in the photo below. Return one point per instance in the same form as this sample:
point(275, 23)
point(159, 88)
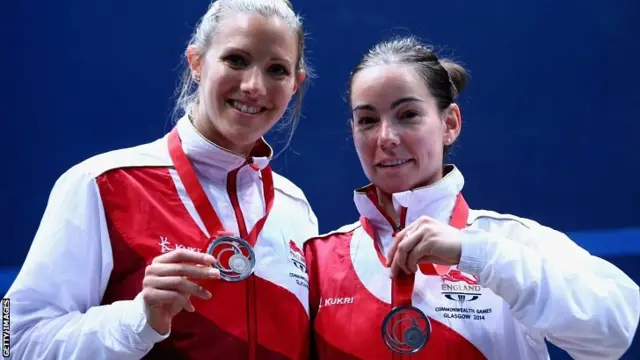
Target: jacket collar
point(436, 201)
point(214, 160)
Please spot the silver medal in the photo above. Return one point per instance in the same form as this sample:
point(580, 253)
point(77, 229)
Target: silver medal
point(406, 330)
point(234, 257)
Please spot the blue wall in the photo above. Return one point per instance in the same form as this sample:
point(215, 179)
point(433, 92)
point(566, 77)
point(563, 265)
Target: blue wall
point(550, 116)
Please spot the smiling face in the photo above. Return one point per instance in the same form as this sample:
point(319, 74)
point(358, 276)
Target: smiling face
point(398, 130)
point(247, 78)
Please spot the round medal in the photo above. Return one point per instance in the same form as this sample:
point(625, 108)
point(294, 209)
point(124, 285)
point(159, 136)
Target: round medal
point(406, 330)
point(234, 257)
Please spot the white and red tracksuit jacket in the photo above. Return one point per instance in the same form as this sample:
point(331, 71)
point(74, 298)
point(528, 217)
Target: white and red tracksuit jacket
point(517, 284)
point(108, 217)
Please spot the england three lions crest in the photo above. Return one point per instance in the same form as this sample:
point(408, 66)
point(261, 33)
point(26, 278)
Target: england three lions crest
point(458, 286)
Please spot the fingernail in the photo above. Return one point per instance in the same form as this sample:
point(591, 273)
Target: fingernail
point(212, 273)
point(208, 258)
point(208, 294)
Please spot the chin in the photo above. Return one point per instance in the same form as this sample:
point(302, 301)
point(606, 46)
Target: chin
point(249, 127)
point(243, 136)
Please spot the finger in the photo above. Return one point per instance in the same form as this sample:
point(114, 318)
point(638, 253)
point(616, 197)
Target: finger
point(400, 256)
point(184, 255)
point(405, 248)
point(176, 283)
point(403, 232)
point(396, 260)
point(392, 250)
point(190, 308)
point(176, 300)
point(394, 246)
point(412, 227)
point(396, 240)
point(188, 270)
point(419, 253)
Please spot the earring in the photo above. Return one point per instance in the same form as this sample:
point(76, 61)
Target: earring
point(197, 78)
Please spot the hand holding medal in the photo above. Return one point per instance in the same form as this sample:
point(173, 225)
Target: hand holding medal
point(426, 240)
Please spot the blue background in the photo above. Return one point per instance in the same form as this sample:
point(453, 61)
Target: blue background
point(550, 117)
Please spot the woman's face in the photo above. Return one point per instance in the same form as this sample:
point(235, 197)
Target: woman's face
point(247, 79)
point(398, 131)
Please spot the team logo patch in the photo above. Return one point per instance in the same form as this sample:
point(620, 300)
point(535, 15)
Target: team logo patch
point(296, 256)
point(458, 286)
point(462, 289)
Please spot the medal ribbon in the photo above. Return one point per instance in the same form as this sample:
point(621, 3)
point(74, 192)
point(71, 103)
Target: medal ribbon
point(402, 285)
point(201, 201)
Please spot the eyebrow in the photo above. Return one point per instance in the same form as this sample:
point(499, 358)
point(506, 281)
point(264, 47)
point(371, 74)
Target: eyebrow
point(246, 53)
point(393, 104)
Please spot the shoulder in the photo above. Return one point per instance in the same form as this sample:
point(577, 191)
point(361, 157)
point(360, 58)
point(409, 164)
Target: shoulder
point(153, 154)
point(509, 225)
point(83, 175)
point(530, 233)
point(490, 217)
point(343, 233)
point(287, 188)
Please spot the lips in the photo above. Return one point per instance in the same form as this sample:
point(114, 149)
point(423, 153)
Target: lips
point(392, 163)
point(245, 108)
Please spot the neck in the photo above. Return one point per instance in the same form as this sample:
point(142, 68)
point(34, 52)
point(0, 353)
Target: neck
point(207, 129)
point(386, 203)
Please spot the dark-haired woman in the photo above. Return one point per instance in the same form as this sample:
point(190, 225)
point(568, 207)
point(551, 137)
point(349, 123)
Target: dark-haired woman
point(421, 275)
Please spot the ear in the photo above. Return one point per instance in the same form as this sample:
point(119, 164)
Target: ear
point(195, 61)
point(299, 80)
point(452, 124)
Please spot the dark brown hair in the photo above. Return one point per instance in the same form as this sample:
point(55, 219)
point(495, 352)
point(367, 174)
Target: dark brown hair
point(444, 78)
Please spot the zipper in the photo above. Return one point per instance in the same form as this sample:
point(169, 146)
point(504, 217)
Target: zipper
point(403, 213)
point(250, 282)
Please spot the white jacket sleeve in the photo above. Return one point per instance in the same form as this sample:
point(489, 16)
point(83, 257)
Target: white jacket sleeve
point(580, 303)
point(55, 299)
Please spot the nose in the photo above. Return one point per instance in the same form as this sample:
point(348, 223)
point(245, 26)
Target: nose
point(387, 135)
point(253, 83)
